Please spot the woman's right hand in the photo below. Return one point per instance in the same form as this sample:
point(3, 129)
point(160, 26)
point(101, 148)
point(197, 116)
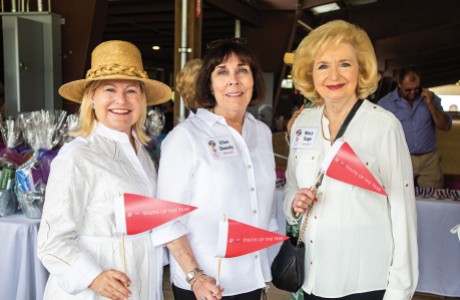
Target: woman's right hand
point(112, 284)
point(302, 200)
point(205, 287)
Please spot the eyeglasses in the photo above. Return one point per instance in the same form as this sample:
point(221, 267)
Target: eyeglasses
point(216, 43)
point(415, 89)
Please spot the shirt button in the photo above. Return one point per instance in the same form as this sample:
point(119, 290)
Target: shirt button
point(249, 166)
point(311, 263)
point(311, 241)
point(254, 211)
point(256, 256)
point(316, 217)
point(253, 189)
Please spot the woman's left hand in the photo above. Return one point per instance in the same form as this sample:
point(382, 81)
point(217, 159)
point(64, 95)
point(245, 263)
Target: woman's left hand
point(205, 287)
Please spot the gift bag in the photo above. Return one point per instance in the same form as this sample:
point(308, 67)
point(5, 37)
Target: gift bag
point(42, 131)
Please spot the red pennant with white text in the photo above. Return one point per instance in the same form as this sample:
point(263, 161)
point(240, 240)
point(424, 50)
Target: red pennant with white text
point(342, 163)
point(135, 213)
point(236, 239)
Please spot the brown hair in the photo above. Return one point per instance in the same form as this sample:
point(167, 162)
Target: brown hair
point(215, 56)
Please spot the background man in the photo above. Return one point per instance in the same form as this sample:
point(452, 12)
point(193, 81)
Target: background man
point(420, 113)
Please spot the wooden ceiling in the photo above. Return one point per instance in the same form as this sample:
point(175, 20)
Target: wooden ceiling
point(421, 32)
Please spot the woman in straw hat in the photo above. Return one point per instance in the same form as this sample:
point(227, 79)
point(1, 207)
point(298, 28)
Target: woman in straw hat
point(77, 241)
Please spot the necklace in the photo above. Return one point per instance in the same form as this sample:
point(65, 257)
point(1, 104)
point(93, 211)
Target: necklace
point(322, 129)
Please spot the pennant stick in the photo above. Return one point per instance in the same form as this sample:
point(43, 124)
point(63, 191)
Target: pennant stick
point(123, 252)
point(314, 188)
point(219, 262)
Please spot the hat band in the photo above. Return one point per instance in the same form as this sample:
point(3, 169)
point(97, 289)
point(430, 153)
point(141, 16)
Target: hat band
point(115, 69)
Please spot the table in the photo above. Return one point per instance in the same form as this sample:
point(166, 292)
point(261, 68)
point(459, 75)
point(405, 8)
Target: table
point(22, 276)
point(439, 250)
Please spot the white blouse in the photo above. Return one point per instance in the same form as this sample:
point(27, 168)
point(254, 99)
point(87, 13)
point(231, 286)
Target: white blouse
point(208, 164)
point(357, 240)
point(77, 239)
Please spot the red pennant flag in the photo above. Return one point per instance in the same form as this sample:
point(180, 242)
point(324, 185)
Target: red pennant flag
point(342, 163)
point(236, 239)
point(135, 213)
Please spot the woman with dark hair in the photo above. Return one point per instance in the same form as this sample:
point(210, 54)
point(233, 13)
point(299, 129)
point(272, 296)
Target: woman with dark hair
point(221, 160)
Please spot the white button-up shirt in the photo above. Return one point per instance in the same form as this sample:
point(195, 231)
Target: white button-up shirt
point(77, 239)
point(208, 164)
point(357, 240)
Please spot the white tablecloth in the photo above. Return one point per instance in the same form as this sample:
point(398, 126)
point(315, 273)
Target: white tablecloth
point(22, 276)
point(439, 250)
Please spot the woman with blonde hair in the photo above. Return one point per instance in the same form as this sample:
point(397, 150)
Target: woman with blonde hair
point(186, 82)
point(359, 244)
point(77, 241)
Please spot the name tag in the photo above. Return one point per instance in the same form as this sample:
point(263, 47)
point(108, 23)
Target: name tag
point(304, 138)
point(222, 147)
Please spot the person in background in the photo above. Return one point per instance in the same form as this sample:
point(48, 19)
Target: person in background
point(77, 241)
point(420, 113)
point(359, 244)
point(186, 81)
point(221, 159)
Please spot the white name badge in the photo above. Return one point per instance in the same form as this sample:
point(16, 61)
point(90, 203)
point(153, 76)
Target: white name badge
point(222, 147)
point(304, 138)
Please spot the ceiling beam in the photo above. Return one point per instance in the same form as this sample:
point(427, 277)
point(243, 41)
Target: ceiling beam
point(238, 10)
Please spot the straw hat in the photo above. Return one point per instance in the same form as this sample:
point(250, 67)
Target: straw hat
point(117, 60)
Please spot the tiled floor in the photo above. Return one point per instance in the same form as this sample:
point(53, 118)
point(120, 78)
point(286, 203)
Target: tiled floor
point(276, 294)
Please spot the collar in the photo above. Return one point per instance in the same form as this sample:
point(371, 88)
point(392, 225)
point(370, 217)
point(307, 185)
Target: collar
point(114, 135)
point(211, 118)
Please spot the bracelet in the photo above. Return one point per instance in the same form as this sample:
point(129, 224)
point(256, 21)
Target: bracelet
point(192, 282)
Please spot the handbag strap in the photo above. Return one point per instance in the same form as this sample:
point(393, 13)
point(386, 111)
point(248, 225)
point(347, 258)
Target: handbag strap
point(347, 120)
point(342, 129)
point(304, 226)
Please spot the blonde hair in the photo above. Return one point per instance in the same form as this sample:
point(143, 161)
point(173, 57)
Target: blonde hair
point(333, 33)
point(186, 82)
point(88, 117)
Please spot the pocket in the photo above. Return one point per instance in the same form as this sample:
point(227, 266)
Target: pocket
point(307, 163)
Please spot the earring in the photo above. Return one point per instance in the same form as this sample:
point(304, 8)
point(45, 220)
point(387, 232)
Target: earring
point(212, 92)
point(92, 105)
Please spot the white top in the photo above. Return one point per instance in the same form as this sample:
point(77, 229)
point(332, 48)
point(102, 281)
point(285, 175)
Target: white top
point(208, 164)
point(77, 239)
point(357, 240)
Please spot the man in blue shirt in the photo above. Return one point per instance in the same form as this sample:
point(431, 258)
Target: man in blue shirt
point(420, 113)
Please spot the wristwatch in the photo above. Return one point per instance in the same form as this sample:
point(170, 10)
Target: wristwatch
point(192, 274)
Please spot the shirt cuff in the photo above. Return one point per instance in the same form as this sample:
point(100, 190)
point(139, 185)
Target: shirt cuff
point(80, 275)
point(167, 233)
